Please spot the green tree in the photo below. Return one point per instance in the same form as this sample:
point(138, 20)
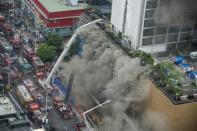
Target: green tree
point(46, 52)
point(73, 49)
point(55, 40)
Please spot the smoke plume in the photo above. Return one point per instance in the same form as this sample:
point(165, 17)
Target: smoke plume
point(103, 70)
point(175, 12)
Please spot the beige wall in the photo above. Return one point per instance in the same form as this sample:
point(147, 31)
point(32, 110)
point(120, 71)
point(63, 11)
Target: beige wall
point(181, 117)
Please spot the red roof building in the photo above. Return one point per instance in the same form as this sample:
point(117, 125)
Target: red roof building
point(54, 15)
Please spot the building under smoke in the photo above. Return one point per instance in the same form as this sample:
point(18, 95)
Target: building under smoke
point(156, 25)
point(103, 71)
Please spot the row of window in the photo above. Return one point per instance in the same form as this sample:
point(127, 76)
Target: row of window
point(151, 4)
point(165, 30)
point(168, 39)
point(186, 27)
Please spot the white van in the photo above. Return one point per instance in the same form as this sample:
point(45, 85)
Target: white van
point(193, 55)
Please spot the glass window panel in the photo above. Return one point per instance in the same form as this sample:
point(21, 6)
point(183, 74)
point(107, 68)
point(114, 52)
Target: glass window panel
point(151, 4)
point(171, 46)
point(148, 32)
point(194, 35)
point(173, 29)
point(172, 38)
point(185, 36)
point(186, 28)
point(160, 39)
point(161, 30)
point(147, 41)
point(149, 23)
point(149, 13)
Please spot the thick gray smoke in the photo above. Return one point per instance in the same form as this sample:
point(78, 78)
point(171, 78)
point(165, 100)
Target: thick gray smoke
point(104, 70)
point(175, 12)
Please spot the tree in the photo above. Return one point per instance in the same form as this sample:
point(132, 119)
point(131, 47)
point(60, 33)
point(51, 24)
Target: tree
point(73, 49)
point(46, 52)
point(55, 40)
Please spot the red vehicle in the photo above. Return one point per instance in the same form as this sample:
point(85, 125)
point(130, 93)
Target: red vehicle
point(28, 84)
point(6, 28)
point(67, 112)
point(2, 19)
point(39, 66)
point(7, 59)
point(36, 114)
point(28, 52)
point(16, 42)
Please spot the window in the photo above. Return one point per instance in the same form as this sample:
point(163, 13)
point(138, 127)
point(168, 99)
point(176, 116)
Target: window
point(149, 14)
point(172, 38)
point(194, 36)
point(171, 46)
point(149, 23)
point(147, 41)
point(151, 4)
point(186, 28)
point(173, 29)
point(148, 32)
point(160, 39)
point(185, 36)
point(161, 30)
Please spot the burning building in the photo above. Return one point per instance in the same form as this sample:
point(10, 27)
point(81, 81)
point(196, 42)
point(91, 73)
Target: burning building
point(155, 25)
point(103, 72)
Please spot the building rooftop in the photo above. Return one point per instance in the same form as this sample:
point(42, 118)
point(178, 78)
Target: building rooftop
point(6, 106)
point(59, 5)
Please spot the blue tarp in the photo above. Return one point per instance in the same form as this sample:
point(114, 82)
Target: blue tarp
point(63, 89)
point(59, 84)
point(81, 43)
point(178, 59)
point(185, 67)
point(193, 75)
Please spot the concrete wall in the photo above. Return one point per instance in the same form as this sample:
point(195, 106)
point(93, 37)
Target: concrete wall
point(117, 14)
point(181, 117)
point(154, 48)
point(133, 21)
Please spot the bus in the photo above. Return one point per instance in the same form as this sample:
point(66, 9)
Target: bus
point(23, 95)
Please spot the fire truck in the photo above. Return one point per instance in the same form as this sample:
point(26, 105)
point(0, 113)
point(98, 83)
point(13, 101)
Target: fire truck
point(35, 113)
point(37, 96)
point(64, 110)
point(39, 67)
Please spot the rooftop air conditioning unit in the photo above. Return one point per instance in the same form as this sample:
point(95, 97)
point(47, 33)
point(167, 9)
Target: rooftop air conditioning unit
point(72, 2)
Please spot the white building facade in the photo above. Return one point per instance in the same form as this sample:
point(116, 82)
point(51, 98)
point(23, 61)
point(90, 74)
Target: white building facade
point(135, 20)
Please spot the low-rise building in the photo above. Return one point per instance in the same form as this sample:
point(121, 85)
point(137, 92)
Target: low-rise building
point(47, 16)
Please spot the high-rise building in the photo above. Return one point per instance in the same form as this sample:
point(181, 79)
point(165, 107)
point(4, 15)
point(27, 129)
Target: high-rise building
point(155, 25)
